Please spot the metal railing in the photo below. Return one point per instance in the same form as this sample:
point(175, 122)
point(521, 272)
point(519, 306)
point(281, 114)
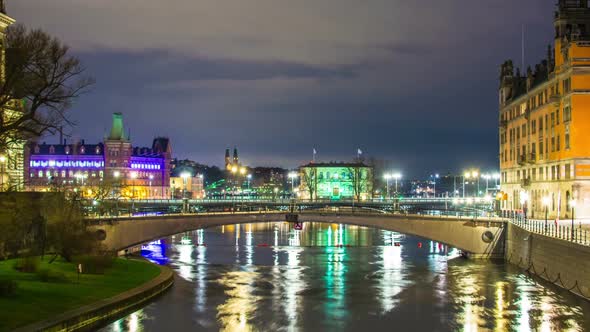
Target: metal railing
point(550, 229)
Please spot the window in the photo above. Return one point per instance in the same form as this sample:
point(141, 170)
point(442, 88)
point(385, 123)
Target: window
point(552, 172)
point(553, 144)
point(567, 137)
point(558, 143)
point(541, 173)
point(568, 171)
point(534, 127)
point(523, 130)
point(540, 124)
point(557, 116)
point(567, 85)
point(541, 149)
point(558, 171)
point(534, 174)
point(567, 114)
point(552, 119)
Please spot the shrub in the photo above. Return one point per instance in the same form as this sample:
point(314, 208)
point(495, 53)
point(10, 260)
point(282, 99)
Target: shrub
point(28, 264)
point(95, 264)
point(7, 287)
point(46, 275)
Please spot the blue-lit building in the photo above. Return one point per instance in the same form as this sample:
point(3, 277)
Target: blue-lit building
point(113, 165)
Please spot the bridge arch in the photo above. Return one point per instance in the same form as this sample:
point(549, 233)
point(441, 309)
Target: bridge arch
point(476, 238)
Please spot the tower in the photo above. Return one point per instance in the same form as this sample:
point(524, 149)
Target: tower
point(227, 160)
point(117, 152)
point(236, 160)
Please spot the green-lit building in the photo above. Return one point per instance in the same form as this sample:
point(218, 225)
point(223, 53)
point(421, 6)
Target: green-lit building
point(336, 181)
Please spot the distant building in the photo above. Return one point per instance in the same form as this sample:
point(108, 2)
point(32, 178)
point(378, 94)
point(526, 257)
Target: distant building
point(113, 165)
point(336, 181)
point(187, 187)
point(232, 164)
point(544, 121)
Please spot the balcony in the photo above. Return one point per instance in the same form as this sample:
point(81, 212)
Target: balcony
point(503, 124)
point(555, 99)
point(521, 159)
point(525, 183)
point(532, 158)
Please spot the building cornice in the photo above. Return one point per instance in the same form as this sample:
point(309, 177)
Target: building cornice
point(6, 21)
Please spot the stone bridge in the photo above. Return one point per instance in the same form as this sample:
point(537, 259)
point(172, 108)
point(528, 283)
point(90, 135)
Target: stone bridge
point(477, 238)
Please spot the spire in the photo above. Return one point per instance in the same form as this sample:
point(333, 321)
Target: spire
point(236, 159)
point(117, 130)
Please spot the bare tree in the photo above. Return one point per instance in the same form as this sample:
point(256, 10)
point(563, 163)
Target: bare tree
point(41, 80)
point(362, 181)
point(310, 178)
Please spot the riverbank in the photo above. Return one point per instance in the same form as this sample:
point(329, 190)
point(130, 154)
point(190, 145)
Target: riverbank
point(36, 301)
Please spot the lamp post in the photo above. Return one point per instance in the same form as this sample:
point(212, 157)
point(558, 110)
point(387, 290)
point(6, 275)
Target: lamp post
point(573, 205)
point(116, 175)
point(292, 176)
point(387, 177)
point(546, 201)
point(434, 177)
point(151, 177)
point(184, 176)
point(396, 176)
point(133, 177)
point(2, 167)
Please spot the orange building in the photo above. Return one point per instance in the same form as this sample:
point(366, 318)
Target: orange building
point(545, 123)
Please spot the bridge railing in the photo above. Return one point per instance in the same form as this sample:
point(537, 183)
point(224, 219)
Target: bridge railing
point(553, 229)
point(406, 200)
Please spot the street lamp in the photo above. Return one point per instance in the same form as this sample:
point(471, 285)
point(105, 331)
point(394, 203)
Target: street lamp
point(151, 177)
point(387, 177)
point(133, 176)
point(116, 175)
point(249, 177)
point(435, 176)
point(292, 176)
point(573, 205)
point(396, 176)
point(184, 176)
point(2, 167)
point(546, 201)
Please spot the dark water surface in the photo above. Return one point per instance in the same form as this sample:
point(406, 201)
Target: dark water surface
point(330, 277)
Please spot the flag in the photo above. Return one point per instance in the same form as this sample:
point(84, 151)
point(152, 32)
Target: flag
point(359, 151)
point(314, 151)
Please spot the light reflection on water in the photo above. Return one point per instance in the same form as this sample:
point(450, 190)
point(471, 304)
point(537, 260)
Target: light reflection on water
point(269, 277)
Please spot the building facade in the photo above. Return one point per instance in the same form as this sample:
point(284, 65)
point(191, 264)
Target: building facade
point(544, 123)
point(110, 169)
point(11, 149)
point(336, 181)
point(190, 187)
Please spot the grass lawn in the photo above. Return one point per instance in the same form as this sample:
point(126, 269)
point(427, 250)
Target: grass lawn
point(36, 300)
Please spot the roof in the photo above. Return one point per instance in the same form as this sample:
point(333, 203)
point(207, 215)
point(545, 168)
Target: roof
point(66, 149)
point(335, 164)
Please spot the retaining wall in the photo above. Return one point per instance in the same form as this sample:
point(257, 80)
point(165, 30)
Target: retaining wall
point(563, 263)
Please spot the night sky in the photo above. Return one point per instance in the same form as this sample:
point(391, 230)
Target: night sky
point(413, 82)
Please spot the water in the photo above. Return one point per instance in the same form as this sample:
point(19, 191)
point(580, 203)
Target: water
point(329, 277)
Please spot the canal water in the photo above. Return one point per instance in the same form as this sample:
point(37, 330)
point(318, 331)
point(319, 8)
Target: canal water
point(330, 277)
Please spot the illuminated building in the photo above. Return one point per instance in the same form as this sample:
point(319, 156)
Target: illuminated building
point(232, 163)
point(544, 123)
point(187, 186)
point(114, 165)
point(336, 181)
point(12, 148)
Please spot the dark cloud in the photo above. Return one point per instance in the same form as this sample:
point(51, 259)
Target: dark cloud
point(411, 82)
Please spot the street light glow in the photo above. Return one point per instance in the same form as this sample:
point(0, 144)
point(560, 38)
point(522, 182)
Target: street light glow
point(546, 200)
point(116, 174)
point(185, 175)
